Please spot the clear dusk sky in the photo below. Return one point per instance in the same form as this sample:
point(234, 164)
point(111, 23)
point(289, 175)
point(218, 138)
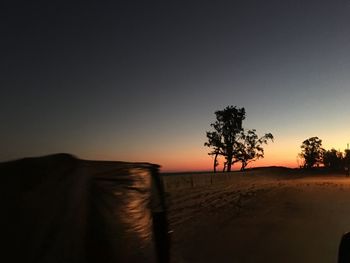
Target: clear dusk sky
point(140, 80)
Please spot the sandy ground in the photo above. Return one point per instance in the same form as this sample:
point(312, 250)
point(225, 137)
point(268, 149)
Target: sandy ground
point(257, 218)
point(262, 215)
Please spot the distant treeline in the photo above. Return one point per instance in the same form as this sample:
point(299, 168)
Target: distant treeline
point(230, 140)
point(313, 155)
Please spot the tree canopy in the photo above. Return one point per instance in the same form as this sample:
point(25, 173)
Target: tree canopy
point(312, 152)
point(230, 140)
point(333, 159)
point(250, 147)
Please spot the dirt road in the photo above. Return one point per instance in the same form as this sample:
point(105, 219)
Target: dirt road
point(261, 219)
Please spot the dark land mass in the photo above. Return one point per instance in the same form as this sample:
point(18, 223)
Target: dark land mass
point(262, 215)
point(53, 212)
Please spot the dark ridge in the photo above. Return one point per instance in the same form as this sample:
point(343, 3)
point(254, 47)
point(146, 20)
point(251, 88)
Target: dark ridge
point(264, 168)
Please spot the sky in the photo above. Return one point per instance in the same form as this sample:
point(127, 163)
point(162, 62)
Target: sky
point(141, 80)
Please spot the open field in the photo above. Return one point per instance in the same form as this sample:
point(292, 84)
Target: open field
point(263, 215)
point(61, 209)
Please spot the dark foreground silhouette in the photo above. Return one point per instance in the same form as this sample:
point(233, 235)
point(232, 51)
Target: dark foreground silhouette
point(61, 209)
point(344, 249)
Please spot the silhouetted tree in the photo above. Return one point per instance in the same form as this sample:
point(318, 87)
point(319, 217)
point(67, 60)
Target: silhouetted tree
point(231, 141)
point(333, 159)
point(227, 128)
point(250, 147)
point(347, 156)
point(346, 161)
point(312, 152)
point(214, 141)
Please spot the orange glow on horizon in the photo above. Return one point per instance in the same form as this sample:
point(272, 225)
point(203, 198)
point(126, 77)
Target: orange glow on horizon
point(208, 165)
point(193, 156)
point(196, 160)
point(199, 160)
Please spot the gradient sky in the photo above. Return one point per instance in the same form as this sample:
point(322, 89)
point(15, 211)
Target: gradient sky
point(140, 80)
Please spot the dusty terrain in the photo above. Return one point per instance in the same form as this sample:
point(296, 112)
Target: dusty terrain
point(259, 216)
point(61, 209)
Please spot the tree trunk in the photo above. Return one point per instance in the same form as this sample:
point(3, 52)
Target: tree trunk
point(229, 164)
point(244, 164)
point(215, 162)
